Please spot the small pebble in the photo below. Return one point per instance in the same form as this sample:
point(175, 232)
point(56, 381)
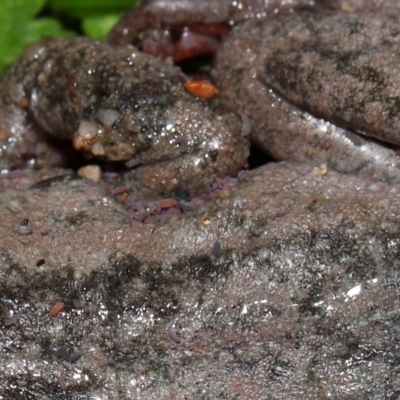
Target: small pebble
point(75, 356)
point(119, 190)
point(92, 172)
point(322, 170)
point(61, 381)
point(63, 353)
point(206, 221)
point(13, 319)
point(56, 309)
point(133, 162)
point(171, 374)
point(216, 250)
point(25, 228)
point(246, 124)
point(281, 213)
point(257, 232)
point(172, 334)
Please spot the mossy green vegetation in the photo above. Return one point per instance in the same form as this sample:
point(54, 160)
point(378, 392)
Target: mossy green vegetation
point(23, 22)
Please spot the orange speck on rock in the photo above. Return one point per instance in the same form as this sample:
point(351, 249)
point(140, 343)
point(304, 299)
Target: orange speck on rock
point(203, 89)
point(56, 309)
point(4, 134)
point(23, 102)
point(123, 197)
point(144, 370)
point(206, 221)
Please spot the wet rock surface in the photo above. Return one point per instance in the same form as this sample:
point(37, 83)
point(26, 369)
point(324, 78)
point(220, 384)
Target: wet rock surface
point(119, 104)
point(287, 288)
point(381, 6)
point(353, 83)
point(289, 132)
point(285, 285)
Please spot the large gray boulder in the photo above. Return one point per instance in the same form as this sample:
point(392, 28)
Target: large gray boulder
point(287, 287)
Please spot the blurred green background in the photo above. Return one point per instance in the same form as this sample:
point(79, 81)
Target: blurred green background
point(22, 22)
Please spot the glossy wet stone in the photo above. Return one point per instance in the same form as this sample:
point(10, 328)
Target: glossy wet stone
point(118, 104)
point(154, 18)
point(377, 6)
point(279, 127)
point(340, 67)
point(286, 286)
point(306, 309)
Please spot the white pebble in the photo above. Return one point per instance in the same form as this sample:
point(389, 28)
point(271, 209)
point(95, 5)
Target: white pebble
point(107, 117)
point(87, 130)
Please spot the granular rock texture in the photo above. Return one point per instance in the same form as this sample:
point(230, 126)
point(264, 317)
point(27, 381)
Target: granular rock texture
point(254, 83)
point(281, 284)
point(352, 83)
point(287, 288)
point(120, 104)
